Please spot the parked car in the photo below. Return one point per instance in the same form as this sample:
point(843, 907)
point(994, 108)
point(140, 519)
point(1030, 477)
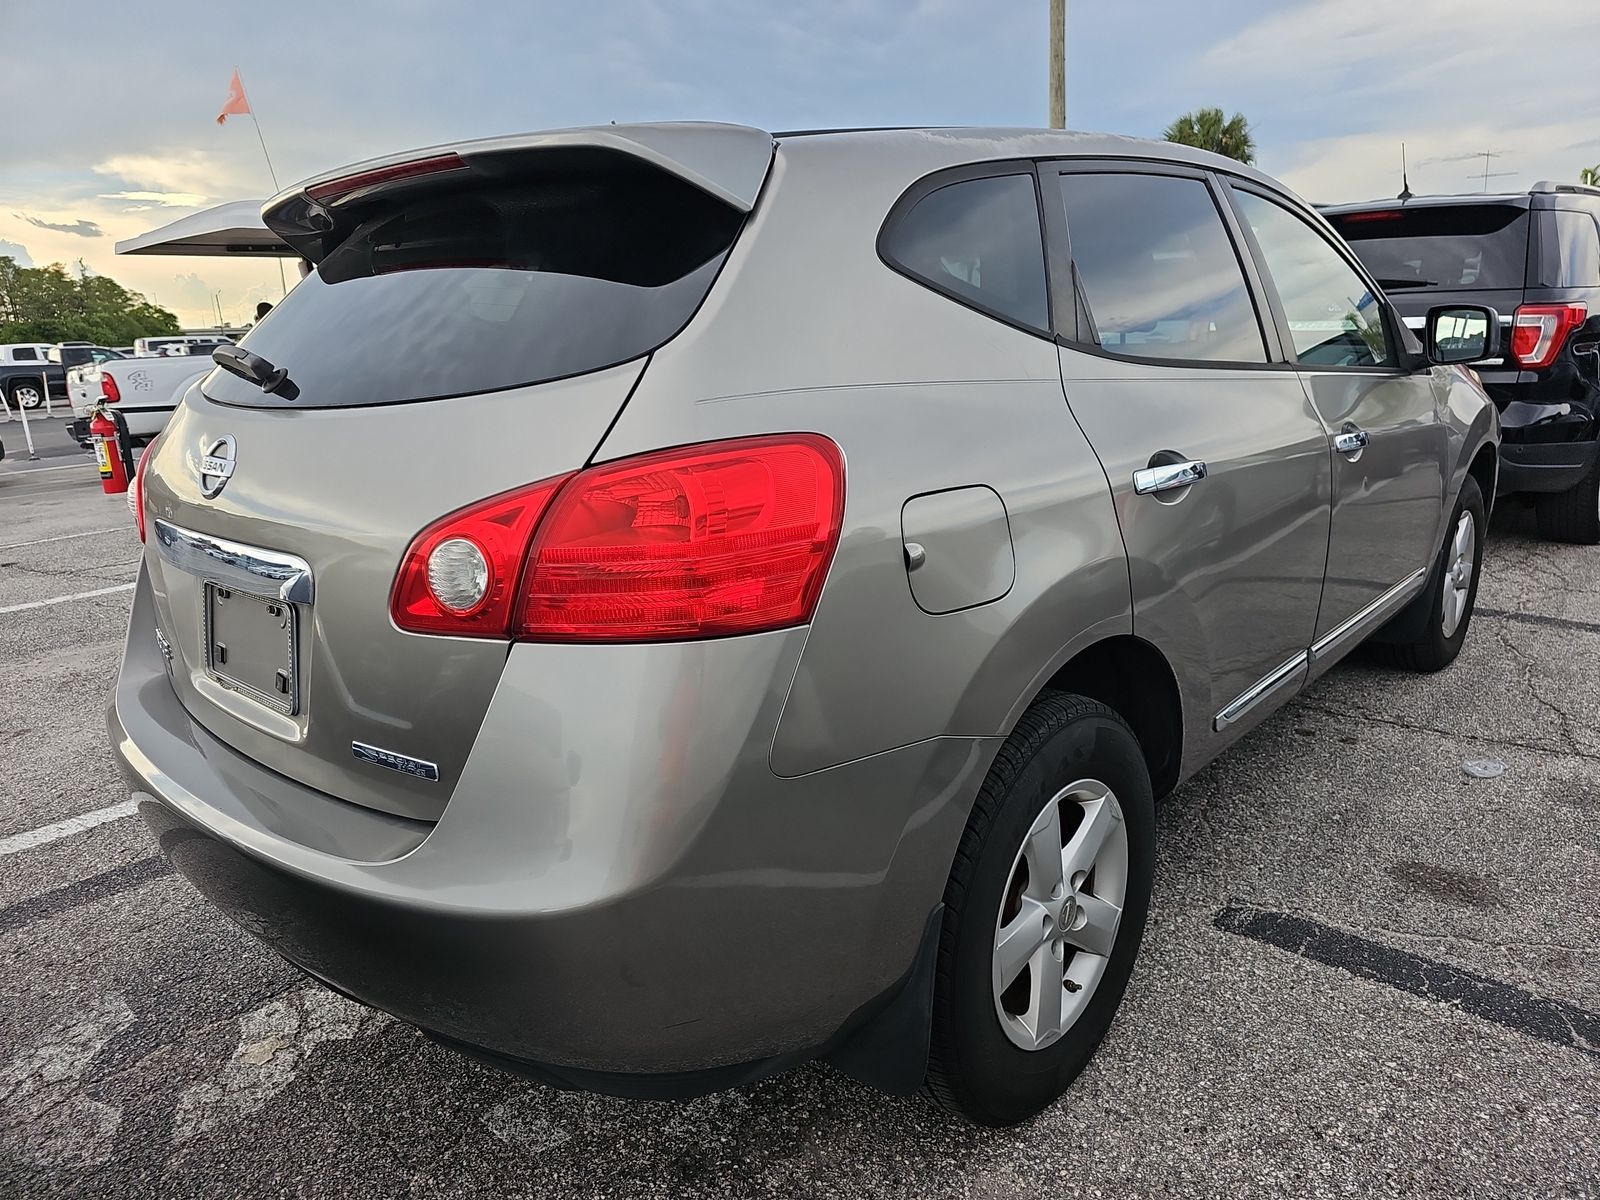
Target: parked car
point(178, 345)
point(26, 371)
point(765, 634)
point(1533, 256)
point(143, 390)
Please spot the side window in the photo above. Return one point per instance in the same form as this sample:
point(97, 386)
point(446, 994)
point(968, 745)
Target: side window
point(1334, 318)
point(1158, 268)
point(979, 241)
point(25, 354)
point(1569, 250)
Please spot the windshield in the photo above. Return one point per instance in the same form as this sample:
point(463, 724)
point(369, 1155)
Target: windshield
point(490, 285)
point(1459, 247)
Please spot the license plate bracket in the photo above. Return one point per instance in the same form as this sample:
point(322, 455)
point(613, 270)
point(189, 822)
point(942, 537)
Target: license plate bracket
point(251, 646)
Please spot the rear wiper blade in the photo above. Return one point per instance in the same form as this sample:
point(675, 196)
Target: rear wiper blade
point(1406, 283)
point(254, 369)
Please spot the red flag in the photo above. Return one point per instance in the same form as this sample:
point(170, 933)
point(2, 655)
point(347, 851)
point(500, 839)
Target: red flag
point(235, 105)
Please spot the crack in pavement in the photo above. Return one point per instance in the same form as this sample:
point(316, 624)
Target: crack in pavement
point(1454, 735)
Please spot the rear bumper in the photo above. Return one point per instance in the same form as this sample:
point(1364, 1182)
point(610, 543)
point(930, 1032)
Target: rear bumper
point(1545, 467)
point(635, 905)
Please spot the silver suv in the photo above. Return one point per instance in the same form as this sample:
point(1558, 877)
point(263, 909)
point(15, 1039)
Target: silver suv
point(661, 603)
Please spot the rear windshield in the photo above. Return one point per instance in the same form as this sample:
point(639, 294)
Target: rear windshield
point(1459, 247)
point(485, 285)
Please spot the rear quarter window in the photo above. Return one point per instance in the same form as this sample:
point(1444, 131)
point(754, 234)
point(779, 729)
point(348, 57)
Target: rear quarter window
point(1569, 250)
point(979, 241)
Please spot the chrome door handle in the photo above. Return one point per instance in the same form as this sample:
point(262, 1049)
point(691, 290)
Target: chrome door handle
point(1168, 476)
point(1351, 440)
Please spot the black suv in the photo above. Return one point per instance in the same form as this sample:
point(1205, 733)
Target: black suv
point(1534, 257)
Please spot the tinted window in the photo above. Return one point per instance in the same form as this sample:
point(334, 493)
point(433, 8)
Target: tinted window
point(25, 354)
point(1158, 269)
point(1334, 318)
point(1454, 246)
point(979, 241)
point(476, 287)
point(1569, 250)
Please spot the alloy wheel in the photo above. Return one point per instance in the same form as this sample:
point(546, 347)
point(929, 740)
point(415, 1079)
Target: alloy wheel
point(1459, 565)
point(27, 396)
point(1058, 921)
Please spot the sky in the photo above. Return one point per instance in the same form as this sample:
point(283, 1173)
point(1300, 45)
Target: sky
point(112, 132)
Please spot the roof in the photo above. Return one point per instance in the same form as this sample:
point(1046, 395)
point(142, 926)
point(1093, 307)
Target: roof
point(1523, 199)
point(234, 228)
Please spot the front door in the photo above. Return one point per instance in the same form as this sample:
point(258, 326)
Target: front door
point(1390, 445)
point(1218, 464)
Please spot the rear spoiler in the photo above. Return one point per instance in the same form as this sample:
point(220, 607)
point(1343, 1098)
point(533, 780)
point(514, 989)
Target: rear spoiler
point(232, 229)
point(728, 162)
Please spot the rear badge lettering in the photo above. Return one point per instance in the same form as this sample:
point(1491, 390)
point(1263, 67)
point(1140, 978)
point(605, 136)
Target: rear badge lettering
point(404, 763)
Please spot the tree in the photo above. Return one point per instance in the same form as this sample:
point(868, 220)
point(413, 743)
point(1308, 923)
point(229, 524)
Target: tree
point(1208, 129)
point(46, 304)
point(1590, 176)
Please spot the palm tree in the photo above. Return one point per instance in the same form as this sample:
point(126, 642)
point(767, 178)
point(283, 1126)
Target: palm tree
point(1208, 129)
point(1590, 176)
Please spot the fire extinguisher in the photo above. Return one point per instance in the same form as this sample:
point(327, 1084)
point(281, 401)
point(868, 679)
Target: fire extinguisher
point(109, 436)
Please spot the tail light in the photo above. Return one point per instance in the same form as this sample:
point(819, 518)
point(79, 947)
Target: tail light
point(109, 391)
point(1540, 330)
point(334, 188)
point(704, 541)
point(136, 492)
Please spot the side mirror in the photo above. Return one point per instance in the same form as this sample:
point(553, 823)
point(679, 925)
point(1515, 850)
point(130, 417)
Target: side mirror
point(1461, 333)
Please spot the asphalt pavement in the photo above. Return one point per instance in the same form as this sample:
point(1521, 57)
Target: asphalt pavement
point(1368, 971)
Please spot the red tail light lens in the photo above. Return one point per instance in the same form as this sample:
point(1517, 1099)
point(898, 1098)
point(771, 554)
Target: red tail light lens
point(730, 537)
point(333, 188)
point(705, 541)
point(136, 492)
point(1540, 330)
point(109, 390)
point(499, 528)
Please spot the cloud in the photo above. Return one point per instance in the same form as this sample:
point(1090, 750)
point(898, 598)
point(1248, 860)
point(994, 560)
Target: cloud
point(188, 173)
point(79, 227)
point(16, 251)
point(164, 199)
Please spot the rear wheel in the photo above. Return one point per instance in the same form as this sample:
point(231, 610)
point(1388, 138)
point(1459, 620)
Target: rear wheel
point(1044, 912)
point(1572, 515)
point(1443, 611)
point(26, 395)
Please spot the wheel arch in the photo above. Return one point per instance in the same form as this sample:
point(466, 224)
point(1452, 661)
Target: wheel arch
point(1130, 676)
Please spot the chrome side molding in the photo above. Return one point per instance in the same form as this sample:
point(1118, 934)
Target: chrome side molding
point(1380, 610)
point(1258, 692)
point(234, 564)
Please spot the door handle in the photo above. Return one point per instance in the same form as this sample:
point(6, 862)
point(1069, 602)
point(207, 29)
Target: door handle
point(1167, 476)
point(1351, 441)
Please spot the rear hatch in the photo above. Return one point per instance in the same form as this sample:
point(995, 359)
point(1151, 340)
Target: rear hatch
point(468, 330)
point(1429, 254)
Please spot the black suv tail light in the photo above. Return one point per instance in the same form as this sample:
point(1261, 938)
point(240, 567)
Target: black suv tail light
point(1540, 330)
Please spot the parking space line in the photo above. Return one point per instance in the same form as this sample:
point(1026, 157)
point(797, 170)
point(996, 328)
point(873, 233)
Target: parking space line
point(46, 834)
point(105, 591)
point(64, 537)
point(20, 470)
point(1553, 1021)
point(97, 887)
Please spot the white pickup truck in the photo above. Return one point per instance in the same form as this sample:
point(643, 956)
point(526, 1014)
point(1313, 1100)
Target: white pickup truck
point(145, 390)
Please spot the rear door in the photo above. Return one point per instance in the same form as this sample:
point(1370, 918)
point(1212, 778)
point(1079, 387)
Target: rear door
point(1217, 462)
point(461, 337)
point(1391, 445)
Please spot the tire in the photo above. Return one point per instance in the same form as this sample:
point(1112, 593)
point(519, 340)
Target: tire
point(26, 395)
point(1573, 515)
point(979, 1065)
point(1438, 641)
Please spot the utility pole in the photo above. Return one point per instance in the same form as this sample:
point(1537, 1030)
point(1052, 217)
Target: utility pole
point(1058, 64)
